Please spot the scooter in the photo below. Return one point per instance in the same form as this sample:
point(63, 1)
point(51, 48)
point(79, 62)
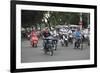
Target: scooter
point(64, 40)
point(70, 38)
point(34, 41)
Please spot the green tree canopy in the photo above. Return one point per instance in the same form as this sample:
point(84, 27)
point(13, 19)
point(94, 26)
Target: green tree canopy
point(31, 18)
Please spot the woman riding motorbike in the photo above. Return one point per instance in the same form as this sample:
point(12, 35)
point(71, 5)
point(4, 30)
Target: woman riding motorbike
point(34, 39)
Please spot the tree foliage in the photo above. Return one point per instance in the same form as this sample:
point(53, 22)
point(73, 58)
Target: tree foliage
point(31, 18)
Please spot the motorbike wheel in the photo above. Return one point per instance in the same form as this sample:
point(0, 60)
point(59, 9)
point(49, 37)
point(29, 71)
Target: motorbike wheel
point(62, 44)
point(71, 41)
point(51, 52)
point(66, 43)
point(32, 44)
point(45, 51)
point(81, 47)
point(36, 45)
point(55, 47)
point(77, 45)
point(88, 43)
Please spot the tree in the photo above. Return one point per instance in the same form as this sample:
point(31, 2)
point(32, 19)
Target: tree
point(31, 18)
point(60, 18)
point(86, 19)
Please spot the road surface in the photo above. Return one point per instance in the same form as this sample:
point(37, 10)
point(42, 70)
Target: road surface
point(30, 54)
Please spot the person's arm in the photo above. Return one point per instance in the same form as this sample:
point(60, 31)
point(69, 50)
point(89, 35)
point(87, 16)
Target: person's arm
point(43, 35)
point(49, 34)
point(80, 34)
point(73, 34)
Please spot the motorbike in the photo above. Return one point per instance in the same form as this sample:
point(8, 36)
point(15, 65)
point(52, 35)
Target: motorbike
point(34, 41)
point(70, 38)
point(28, 36)
point(64, 40)
point(55, 41)
point(78, 44)
point(48, 46)
point(55, 44)
point(88, 40)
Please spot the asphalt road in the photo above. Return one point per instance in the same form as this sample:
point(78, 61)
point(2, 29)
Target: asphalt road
point(30, 54)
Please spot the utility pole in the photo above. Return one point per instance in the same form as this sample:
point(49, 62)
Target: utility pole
point(80, 22)
point(88, 20)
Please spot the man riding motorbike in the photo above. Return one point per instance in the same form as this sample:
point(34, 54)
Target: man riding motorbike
point(78, 38)
point(47, 41)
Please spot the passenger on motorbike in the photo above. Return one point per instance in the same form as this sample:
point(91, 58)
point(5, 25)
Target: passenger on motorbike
point(54, 34)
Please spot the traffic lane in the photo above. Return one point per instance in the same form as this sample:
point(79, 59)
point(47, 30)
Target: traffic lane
point(30, 54)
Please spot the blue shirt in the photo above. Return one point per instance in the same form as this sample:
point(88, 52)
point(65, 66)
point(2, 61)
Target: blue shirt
point(77, 34)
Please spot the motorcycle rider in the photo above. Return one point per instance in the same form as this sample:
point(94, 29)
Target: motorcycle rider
point(46, 33)
point(77, 36)
point(54, 35)
point(33, 32)
point(33, 35)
